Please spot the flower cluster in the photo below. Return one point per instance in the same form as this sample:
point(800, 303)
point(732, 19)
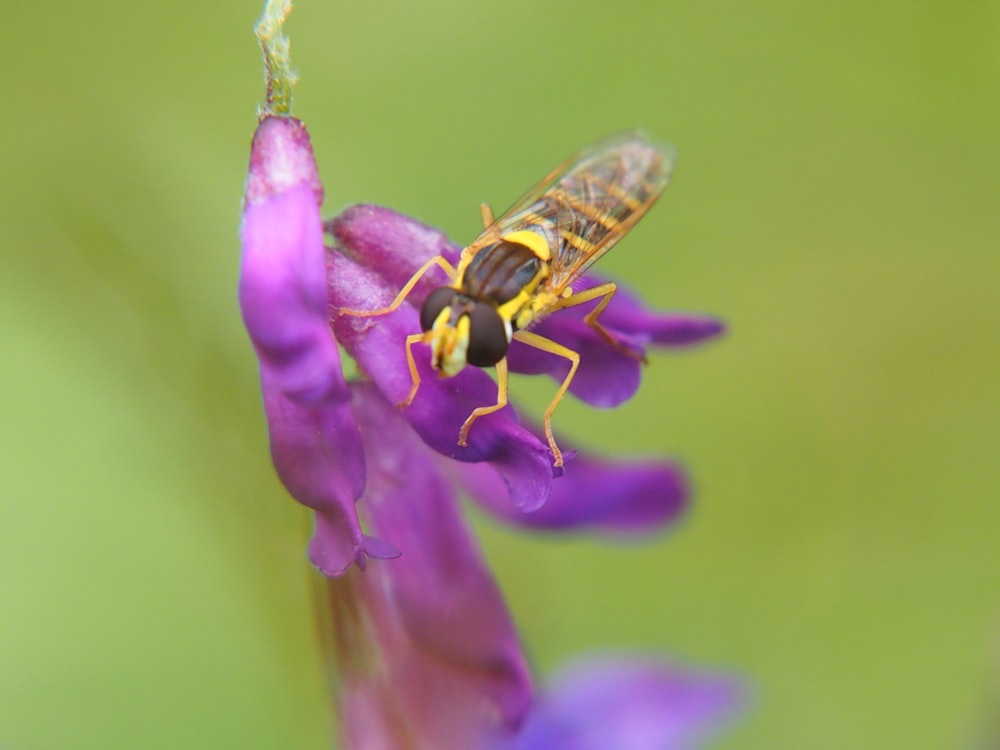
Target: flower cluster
point(427, 651)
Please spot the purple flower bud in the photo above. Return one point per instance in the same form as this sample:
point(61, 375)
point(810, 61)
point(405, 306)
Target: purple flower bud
point(315, 444)
point(282, 287)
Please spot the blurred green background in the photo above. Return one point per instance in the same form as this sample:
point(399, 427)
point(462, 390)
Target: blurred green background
point(837, 200)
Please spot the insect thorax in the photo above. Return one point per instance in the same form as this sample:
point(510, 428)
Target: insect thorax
point(506, 275)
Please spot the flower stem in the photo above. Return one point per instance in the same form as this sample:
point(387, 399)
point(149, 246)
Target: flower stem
point(278, 72)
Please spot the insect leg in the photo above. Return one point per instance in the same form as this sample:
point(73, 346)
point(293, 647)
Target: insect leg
point(414, 374)
point(463, 435)
point(606, 292)
point(487, 214)
point(437, 260)
point(547, 345)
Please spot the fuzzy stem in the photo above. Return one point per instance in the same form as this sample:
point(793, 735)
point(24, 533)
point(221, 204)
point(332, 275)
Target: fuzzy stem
point(278, 74)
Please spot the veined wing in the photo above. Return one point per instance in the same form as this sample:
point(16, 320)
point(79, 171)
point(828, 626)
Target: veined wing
point(589, 202)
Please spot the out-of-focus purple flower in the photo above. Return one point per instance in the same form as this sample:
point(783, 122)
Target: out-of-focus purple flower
point(428, 653)
point(628, 703)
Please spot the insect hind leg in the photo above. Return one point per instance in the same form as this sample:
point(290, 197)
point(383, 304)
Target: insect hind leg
point(605, 291)
point(547, 345)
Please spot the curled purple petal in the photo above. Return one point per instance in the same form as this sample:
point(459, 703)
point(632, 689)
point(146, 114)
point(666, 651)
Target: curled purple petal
point(318, 456)
point(380, 549)
point(629, 704)
point(442, 404)
point(393, 244)
point(435, 654)
point(619, 499)
point(282, 287)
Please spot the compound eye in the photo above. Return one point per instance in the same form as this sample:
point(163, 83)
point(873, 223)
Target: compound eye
point(436, 301)
point(487, 336)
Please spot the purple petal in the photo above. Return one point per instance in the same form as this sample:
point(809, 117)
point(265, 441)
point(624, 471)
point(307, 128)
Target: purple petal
point(433, 652)
point(282, 288)
point(627, 315)
point(623, 499)
point(393, 244)
point(318, 456)
point(442, 404)
point(629, 704)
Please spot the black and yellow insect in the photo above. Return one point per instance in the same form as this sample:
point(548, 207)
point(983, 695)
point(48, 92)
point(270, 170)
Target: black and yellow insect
point(523, 265)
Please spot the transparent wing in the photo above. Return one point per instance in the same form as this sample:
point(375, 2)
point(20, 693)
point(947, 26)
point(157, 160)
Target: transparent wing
point(588, 202)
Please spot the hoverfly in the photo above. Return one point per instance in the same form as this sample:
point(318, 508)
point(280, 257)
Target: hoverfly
point(522, 267)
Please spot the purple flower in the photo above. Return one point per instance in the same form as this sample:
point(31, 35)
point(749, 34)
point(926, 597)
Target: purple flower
point(428, 654)
point(290, 288)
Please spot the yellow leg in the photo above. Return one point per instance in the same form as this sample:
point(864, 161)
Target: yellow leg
point(487, 214)
point(606, 291)
point(463, 435)
point(405, 291)
point(546, 345)
point(414, 374)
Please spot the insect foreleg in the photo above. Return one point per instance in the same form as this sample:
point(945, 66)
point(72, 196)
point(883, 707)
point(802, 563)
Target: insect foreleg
point(606, 292)
point(463, 435)
point(437, 260)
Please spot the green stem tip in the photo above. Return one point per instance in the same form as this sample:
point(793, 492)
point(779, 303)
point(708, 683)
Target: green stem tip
point(278, 74)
